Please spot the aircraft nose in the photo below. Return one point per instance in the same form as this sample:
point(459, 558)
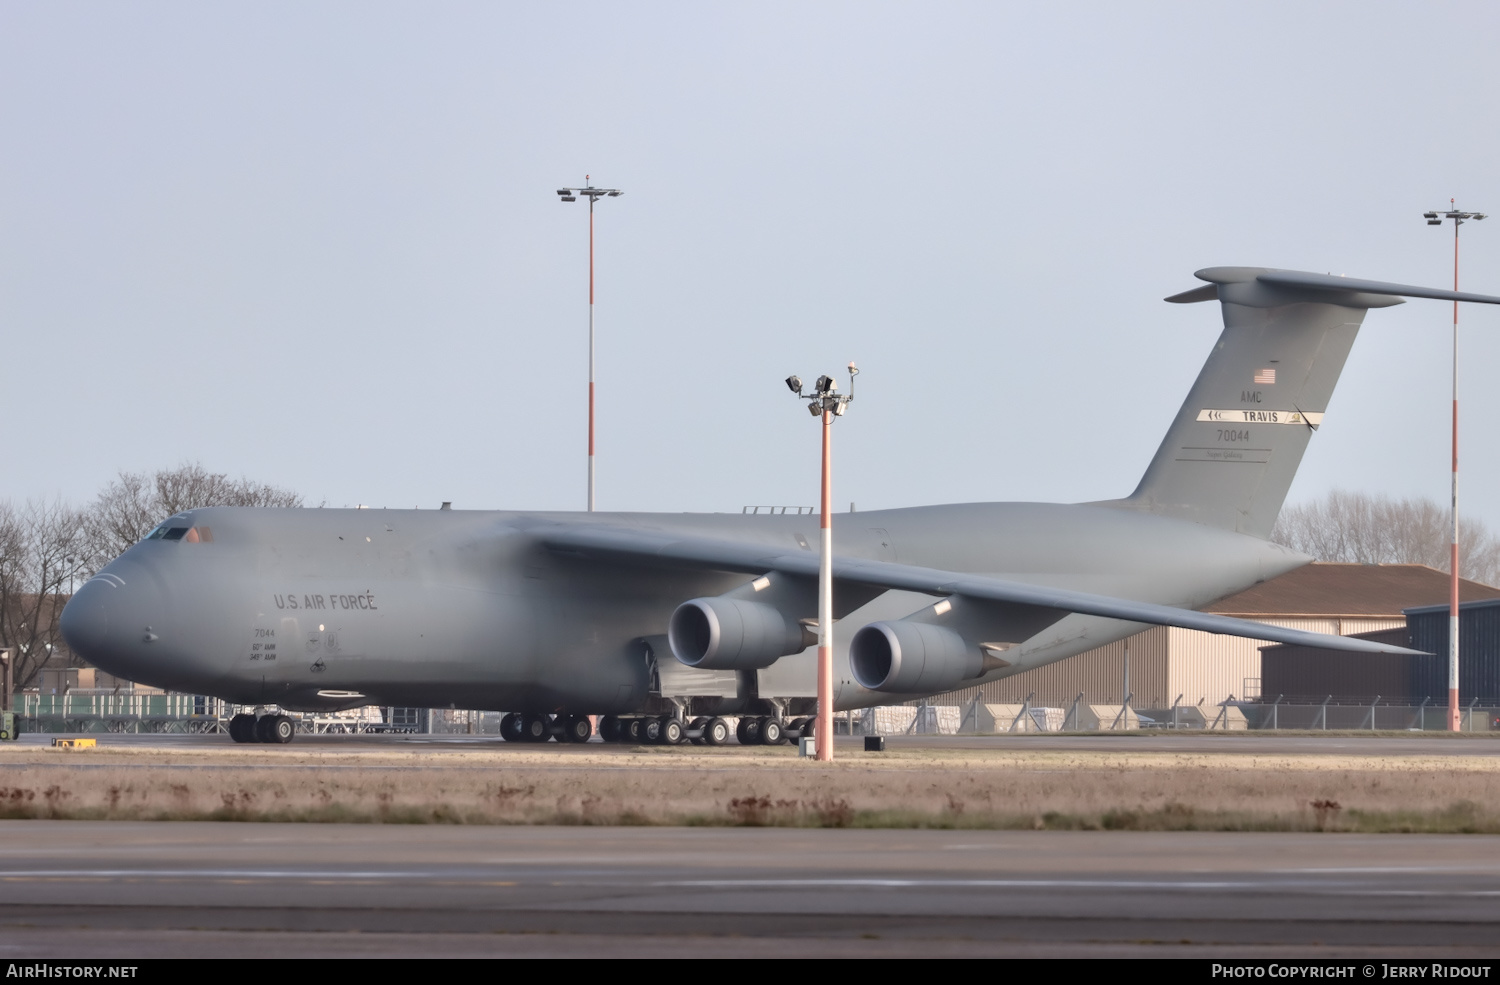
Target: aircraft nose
point(106, 622)
point(85, 619)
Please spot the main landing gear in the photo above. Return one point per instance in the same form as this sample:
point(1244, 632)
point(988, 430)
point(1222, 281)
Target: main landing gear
point(665, 730)
point(516, 727)
point(278, 729)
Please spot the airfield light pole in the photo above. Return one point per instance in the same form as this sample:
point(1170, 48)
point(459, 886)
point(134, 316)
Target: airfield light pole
point(826, 402)
point(593, 195)
point(1436, 218)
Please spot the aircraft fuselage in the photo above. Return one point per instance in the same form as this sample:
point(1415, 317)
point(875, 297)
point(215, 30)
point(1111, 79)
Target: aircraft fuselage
point(318, 608)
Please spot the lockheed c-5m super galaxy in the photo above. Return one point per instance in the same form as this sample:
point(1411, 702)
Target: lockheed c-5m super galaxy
point(661, 623)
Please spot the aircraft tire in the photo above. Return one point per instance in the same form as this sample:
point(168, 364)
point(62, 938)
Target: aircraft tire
point(797, 725)
point(242, 728)
point(671, 732)
point(651, 731)
point(511, 727)
point(716, 732)
point(748, 731)
point(772, 733)
point(609, 728)
point(810, 729)
point(579, 728)
point(632, 730)
point(282, 730)
point(536, 728)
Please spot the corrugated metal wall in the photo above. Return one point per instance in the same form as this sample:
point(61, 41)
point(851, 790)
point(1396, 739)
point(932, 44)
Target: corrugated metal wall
point(1307, 675)
point(1098, 673)
point(1478, 652)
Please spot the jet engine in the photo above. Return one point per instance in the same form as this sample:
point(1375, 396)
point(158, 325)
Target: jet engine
point(724, 633)
point(905, 657)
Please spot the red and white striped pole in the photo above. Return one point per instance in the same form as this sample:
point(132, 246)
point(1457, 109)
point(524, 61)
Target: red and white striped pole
point(589, 181)
point(825, 402)
point(1453, 722)
point(823, 735)
point(593, 195)
point(1435, 218)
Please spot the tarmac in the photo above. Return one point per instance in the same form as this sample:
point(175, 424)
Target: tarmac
point(131, 889)
point(156, 889)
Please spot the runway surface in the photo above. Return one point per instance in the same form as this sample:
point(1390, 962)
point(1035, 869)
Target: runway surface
point(125, 889)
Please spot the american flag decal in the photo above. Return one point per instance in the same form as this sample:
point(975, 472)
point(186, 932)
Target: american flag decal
point(1265, 377)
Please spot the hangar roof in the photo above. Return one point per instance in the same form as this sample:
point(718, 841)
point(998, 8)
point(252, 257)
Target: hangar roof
point(1321, 589)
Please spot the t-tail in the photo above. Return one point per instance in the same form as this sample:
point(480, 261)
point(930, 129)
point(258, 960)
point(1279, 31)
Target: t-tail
point(1233, 450)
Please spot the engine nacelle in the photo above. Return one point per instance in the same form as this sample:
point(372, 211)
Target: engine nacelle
point(724, 633)
point(905, 657)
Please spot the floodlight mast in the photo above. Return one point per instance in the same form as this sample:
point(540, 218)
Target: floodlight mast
point(593, 195)
point(1436, 218)
point(826, 402)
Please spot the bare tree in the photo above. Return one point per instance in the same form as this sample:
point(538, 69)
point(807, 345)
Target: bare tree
point(127, 509)
point(1369, 529)
point(45, 547)
point(39, 555)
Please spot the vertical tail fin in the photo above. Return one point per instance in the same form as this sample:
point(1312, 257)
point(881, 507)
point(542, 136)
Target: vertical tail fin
point(1233, 450)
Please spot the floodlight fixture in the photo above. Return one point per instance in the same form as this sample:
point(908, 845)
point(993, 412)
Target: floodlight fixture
point(794, 384)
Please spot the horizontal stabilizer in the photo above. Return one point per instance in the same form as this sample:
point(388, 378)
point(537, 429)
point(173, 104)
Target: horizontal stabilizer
point(1263, 287)
point(645, 546)
point(1208, 292)
point(1327, 282)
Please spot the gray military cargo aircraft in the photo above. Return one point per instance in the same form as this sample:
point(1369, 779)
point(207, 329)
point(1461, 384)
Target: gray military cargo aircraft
point(556, 617)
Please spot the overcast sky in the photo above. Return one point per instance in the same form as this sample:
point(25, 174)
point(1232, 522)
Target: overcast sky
point(318, 244)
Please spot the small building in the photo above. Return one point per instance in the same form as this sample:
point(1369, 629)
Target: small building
point(1206, 669)
point(1478, 652)
point(1310, 675)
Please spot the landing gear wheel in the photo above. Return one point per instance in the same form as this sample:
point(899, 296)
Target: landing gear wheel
point(748, 731)
point(536, 728)
point(696, 725)
point(671, 732)
point(810, 730)
point(609, 728)
point(798, 725)
point(632, 730)
point(716, 732)
point(283, 730)
point(242, 728)
point(651, 731)
point(771, 732)
point(275, 729)
point(512, 728)
point(578, 728)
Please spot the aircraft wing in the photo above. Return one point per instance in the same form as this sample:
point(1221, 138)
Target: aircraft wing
point(653, 547)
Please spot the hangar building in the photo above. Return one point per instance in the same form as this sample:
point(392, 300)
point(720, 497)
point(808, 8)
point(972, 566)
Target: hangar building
point(1206, 669)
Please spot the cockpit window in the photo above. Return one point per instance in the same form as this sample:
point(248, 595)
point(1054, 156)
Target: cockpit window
point(178, 531)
